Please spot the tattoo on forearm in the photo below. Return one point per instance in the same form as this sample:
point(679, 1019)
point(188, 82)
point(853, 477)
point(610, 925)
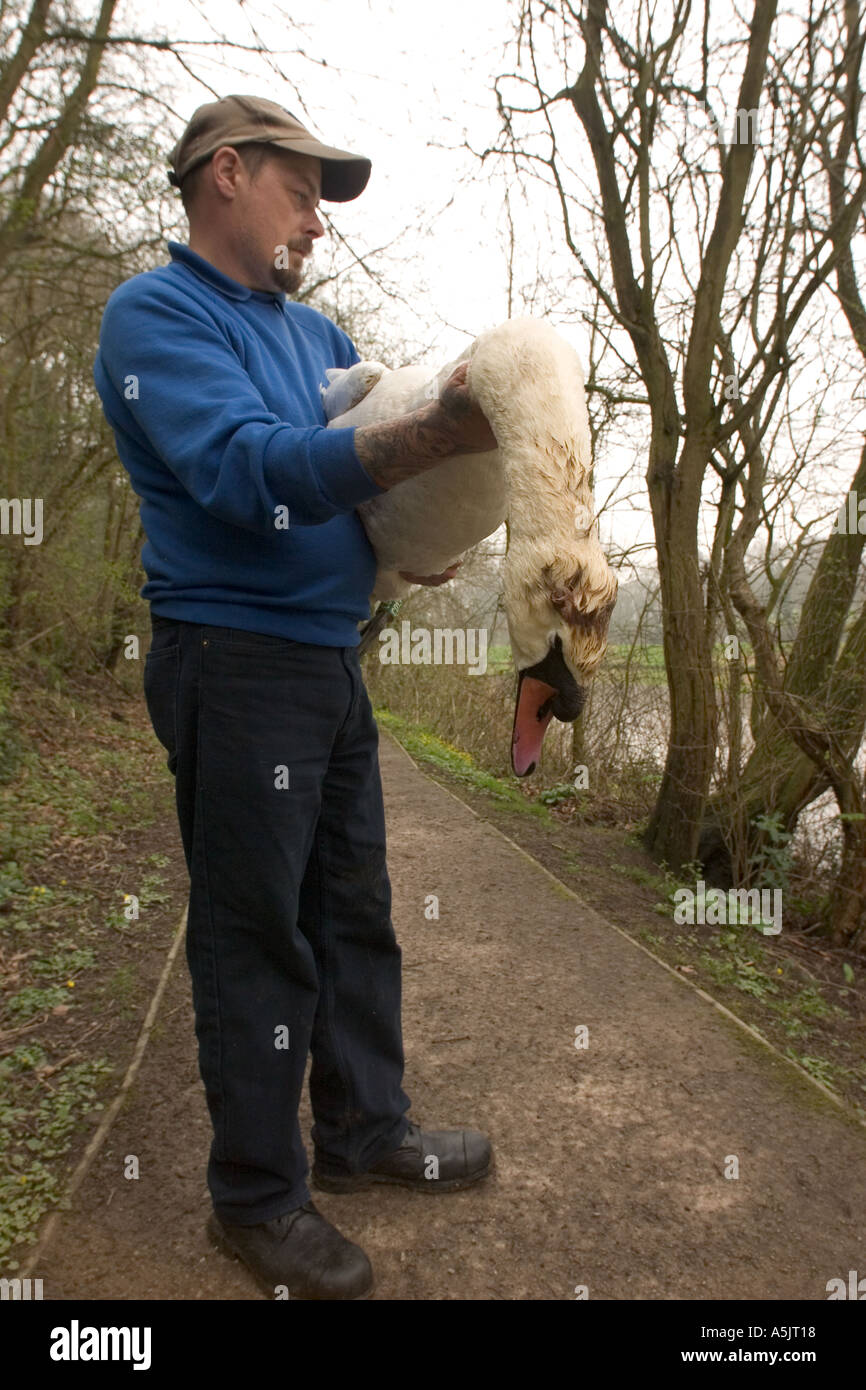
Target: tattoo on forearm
point(399, 449)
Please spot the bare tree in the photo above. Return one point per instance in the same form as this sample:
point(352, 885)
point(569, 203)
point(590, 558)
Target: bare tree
point(810, 718)
point(710, 274)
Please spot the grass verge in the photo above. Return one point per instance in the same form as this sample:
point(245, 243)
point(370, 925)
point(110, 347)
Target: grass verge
point(84, 918)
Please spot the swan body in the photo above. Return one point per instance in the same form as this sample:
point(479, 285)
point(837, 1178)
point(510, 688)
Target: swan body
point(559, 589)
point(468, 494)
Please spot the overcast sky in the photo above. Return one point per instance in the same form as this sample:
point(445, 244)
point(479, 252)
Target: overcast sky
point(399, 88)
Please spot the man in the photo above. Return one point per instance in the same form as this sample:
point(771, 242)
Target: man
point(258, 573)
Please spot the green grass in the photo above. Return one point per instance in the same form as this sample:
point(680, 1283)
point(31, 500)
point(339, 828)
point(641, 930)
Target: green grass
point(498, 658)
point(735, 961)
point(427, 747)
point(647, 663)
point(90, 785)
point(123, 988)
point(12, 747)
point(34, 908)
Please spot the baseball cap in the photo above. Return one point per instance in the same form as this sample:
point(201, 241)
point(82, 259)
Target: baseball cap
point(241, 120)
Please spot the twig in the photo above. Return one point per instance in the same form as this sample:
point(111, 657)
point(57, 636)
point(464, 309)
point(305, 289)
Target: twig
point(21, 645)
point(23, 1028)
point(100, 664)
point(42, 1072)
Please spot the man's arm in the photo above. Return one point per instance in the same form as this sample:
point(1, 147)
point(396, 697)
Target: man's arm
point(398, 449)
point(190, 399)
point(172, 379)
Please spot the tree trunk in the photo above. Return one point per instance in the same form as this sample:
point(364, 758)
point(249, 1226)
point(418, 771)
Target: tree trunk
point(676, 821)
point(848, 918)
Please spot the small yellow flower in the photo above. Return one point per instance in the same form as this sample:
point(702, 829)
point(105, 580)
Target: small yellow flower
point(70, 984)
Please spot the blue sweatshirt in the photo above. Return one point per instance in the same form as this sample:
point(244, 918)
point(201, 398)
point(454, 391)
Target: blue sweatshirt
point(247, 501)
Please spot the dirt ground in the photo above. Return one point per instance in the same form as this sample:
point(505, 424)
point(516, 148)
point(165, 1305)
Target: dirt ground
point(614, 1161)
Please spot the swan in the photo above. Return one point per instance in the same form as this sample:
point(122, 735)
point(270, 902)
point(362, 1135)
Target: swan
point(559, 590)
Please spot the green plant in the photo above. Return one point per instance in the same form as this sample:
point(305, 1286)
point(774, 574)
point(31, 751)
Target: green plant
point(29, 1002)
point(64, 963)
point(554, 796)
point(819, 1067)
point(36, 1130)
point(11, 882)
point(772, 863)
point(740, 972)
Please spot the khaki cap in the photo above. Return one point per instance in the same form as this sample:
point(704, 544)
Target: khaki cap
point(238, 120)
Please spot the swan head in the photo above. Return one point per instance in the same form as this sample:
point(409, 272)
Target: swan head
point(558, 624)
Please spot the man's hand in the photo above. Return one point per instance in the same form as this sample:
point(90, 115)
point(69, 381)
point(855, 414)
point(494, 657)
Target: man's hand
point(462, 418)
point(401, 448)
point(431, 579)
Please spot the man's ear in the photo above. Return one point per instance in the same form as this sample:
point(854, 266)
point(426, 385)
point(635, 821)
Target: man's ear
point(223, 168)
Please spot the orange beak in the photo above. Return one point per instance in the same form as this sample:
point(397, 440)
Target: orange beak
point(533, 712)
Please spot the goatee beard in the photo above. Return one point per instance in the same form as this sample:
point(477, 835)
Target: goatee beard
point(288, 279)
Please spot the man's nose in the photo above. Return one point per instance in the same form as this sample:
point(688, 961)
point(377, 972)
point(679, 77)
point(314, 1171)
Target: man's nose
point(315, 227)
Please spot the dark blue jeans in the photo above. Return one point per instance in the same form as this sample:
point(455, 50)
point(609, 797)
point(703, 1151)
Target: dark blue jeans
point(290, 942)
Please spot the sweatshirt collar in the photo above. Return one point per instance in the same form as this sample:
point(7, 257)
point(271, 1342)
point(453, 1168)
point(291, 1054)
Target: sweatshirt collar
point(209, 273)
